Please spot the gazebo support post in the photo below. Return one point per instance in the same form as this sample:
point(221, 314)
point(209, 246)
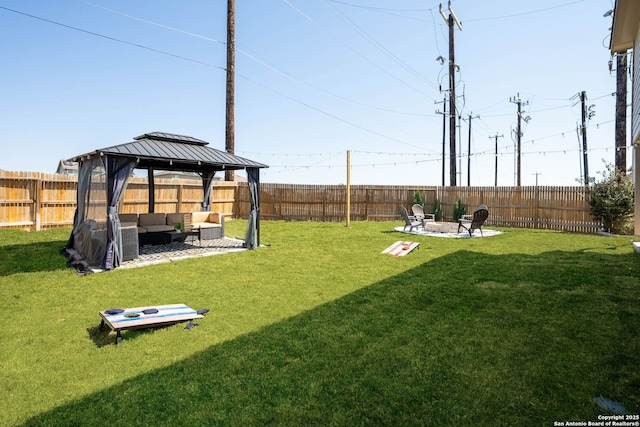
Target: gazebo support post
point(152, 190)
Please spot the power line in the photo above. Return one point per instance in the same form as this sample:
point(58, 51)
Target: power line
point(254, 57)
point(525, 13)
point(391, 12)
point(354, 50)
point(506, 150)
point(379, 45)
point(110, 38)
point(377, 8)
point(220, 68)
point(211, 65)
point(490, 18)
point(146, 21)
point(326, 113)
point(275, 69)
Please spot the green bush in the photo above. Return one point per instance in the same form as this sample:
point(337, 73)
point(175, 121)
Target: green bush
point(437, 210)
point(417, 198)
point(459, 210)
point(611, 199)
point(626, 226)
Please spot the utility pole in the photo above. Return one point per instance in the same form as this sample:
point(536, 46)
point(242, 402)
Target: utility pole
point(469, 151)
point(459, 168)
point(519, 102)
point(621, 112)
point(585, 115)
point(444, 128)
point(621, 106)
point(536, 175)
point(452, 92)
point(231, 65)
point(496, 173)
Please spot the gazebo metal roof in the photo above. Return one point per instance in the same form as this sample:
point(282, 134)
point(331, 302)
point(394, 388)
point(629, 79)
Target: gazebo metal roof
point(166, 151)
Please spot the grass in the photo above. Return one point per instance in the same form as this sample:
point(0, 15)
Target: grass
point(319, 328)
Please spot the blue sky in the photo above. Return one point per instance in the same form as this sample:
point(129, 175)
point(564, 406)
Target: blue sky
point(314, 79)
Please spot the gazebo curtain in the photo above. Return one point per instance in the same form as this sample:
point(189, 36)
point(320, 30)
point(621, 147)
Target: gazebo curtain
point(84, 188)
point(207, 183)
point(82, 198)
point(85, 237)
point(118, 171)
point(252, 236)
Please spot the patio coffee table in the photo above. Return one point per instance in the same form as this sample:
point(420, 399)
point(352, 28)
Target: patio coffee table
point(181, 236)
point(146, 317)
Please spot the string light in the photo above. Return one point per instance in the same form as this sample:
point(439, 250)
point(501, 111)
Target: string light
point(508, 151)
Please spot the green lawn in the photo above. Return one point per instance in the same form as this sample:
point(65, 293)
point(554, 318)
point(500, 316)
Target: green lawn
point(319, 328)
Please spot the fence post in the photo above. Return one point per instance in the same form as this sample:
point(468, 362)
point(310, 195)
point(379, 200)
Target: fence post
point(179, 204)
point(348, 195)
point(537, 211)
point(236, 202)
point(367, 201)
point(37, 206)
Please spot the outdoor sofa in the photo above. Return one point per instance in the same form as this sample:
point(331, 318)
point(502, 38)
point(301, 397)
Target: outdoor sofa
point(151, 227)
point(91, 236)
point(210, 224)
point(144, 229)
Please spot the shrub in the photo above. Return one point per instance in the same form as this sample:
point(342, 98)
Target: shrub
point(611, 199)
point(437, 210)
point(459, 210)
point(417, 198)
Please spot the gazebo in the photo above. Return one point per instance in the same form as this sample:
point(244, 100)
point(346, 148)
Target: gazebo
point(103, 175)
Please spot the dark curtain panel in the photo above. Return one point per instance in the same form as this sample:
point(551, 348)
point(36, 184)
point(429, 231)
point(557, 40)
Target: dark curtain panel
point(82, 195)
point(207, 182)
point(118, 172)
point(252, 236)
point(88, 241)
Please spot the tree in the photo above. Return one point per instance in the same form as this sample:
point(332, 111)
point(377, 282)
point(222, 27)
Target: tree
point(611, 199)
point(437, 210)
point(417, 198)
point(459, 210)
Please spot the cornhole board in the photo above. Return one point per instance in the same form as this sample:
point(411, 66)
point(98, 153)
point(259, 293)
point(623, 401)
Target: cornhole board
point(401, 248)
point(135, 318)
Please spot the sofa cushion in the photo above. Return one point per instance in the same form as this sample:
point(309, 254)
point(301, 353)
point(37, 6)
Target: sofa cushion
point(202, 217)
point(128, 218)
point(205, 225)
point(175, 218)
point(147, 219)
point(158, 228)
point(197, 217)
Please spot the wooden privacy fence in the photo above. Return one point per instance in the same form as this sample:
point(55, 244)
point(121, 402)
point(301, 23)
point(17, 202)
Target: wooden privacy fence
point(36, 200)
point(554, 208)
